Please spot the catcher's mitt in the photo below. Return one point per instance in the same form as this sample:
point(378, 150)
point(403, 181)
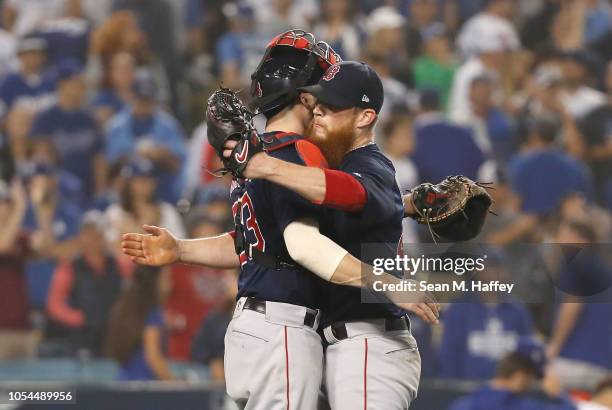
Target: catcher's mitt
point(227, 118)
point(455, 209)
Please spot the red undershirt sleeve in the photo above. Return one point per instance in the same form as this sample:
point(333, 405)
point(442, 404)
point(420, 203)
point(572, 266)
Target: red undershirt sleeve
point(343, 191)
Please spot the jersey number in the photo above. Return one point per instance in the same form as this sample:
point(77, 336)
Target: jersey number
point(248, 220)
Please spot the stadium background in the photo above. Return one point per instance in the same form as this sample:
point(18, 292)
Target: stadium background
point(101, 108)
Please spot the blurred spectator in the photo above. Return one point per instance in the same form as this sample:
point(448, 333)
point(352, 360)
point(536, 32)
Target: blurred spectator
point(422, 18)
point(67, 37)
point(577, 96)
point(209, 344)
point(8, 52)
point(17, 339)
point(240, 49)
point(494, 23)
point(202, 161)
point(96, 11)
point(581, 23)
point(602, 397)
point(386, 40)
point(16, 135)
point(116, 89)
point(493, 129)
point(23, 16)
point(273, 15)
point(515, 376)
point(47, 204)
point(121, 33)
point(398, 144)
point(460, 156)
point(479, 329)
point(136, 327)
point(73, 132)
point(29, 86)
point(397, 97)
point(436, 67)
point(155, 20)
point(488, 45)
point(579, 346)
point(84, 289)
point(148, 131)
point(543, 175)
point(338, 27)
point(195, 290)
point(138, 205)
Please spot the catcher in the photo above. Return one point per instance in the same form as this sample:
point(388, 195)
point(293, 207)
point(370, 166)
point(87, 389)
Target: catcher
point(368, 208)
point(273, 357)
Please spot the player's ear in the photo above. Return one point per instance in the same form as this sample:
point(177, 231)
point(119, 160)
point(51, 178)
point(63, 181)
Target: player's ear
point(307, 100)
point(366, 118)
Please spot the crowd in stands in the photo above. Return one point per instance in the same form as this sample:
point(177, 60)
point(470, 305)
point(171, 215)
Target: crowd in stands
point(101, 110)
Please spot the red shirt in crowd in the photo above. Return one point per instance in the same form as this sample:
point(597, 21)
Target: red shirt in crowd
point(195, 291)
point(14, 304)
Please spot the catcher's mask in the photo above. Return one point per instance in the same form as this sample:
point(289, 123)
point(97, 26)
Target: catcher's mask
point(292, 59)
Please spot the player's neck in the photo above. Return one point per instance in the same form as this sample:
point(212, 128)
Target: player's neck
point(285, 123)
point(362, 139)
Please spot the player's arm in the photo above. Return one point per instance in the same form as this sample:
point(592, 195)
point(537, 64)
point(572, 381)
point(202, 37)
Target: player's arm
point(321, 186)
point(328, 260)
point(159, 247)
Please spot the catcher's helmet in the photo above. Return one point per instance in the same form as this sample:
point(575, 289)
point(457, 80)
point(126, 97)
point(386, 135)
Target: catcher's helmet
point(292, 59)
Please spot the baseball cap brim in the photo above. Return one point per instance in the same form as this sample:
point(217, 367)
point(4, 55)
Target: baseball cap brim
point(327, 96)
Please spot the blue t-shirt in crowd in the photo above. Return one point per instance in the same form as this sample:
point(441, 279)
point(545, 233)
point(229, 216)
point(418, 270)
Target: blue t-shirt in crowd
point(66, 222)
point(243, 49)
point(108, 98)
point(477, 335)
point(501, 133)
point(67, 38)
point(37, 92)
point(543, 178)
point(137, 367)
point(76, 138)
point(125, 131)
point(488, 398)
point(460, 156)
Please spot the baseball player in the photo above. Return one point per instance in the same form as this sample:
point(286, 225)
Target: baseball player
point(371, 360)
point(273, 353)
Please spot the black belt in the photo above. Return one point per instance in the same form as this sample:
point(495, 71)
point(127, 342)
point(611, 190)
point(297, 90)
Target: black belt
point(259, 305)
point(391, 324)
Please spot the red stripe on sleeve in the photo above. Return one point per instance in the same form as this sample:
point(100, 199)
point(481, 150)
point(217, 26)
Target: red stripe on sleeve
point(365, 377)
point(287, 367)
point(343, 191)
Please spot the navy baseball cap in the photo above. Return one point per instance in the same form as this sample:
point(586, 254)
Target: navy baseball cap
point(349, 84)
point(532, 350)
point(68, 69)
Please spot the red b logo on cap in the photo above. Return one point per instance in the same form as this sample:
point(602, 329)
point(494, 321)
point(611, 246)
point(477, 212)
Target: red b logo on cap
point(331, 72)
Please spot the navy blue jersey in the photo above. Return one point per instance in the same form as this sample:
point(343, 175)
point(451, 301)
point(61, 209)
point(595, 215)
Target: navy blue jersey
point(380, 222)
point(265, 211)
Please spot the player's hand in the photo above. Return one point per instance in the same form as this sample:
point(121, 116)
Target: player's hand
point(159, 247)
point(426, 307)
point(429, 312)
point(257, 165)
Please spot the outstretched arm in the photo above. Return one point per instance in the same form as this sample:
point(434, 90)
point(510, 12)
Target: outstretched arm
point(159, 247)
point(325, 258)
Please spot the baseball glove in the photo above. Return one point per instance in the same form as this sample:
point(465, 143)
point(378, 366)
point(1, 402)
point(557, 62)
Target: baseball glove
point(227, 118)
point(455, 209)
